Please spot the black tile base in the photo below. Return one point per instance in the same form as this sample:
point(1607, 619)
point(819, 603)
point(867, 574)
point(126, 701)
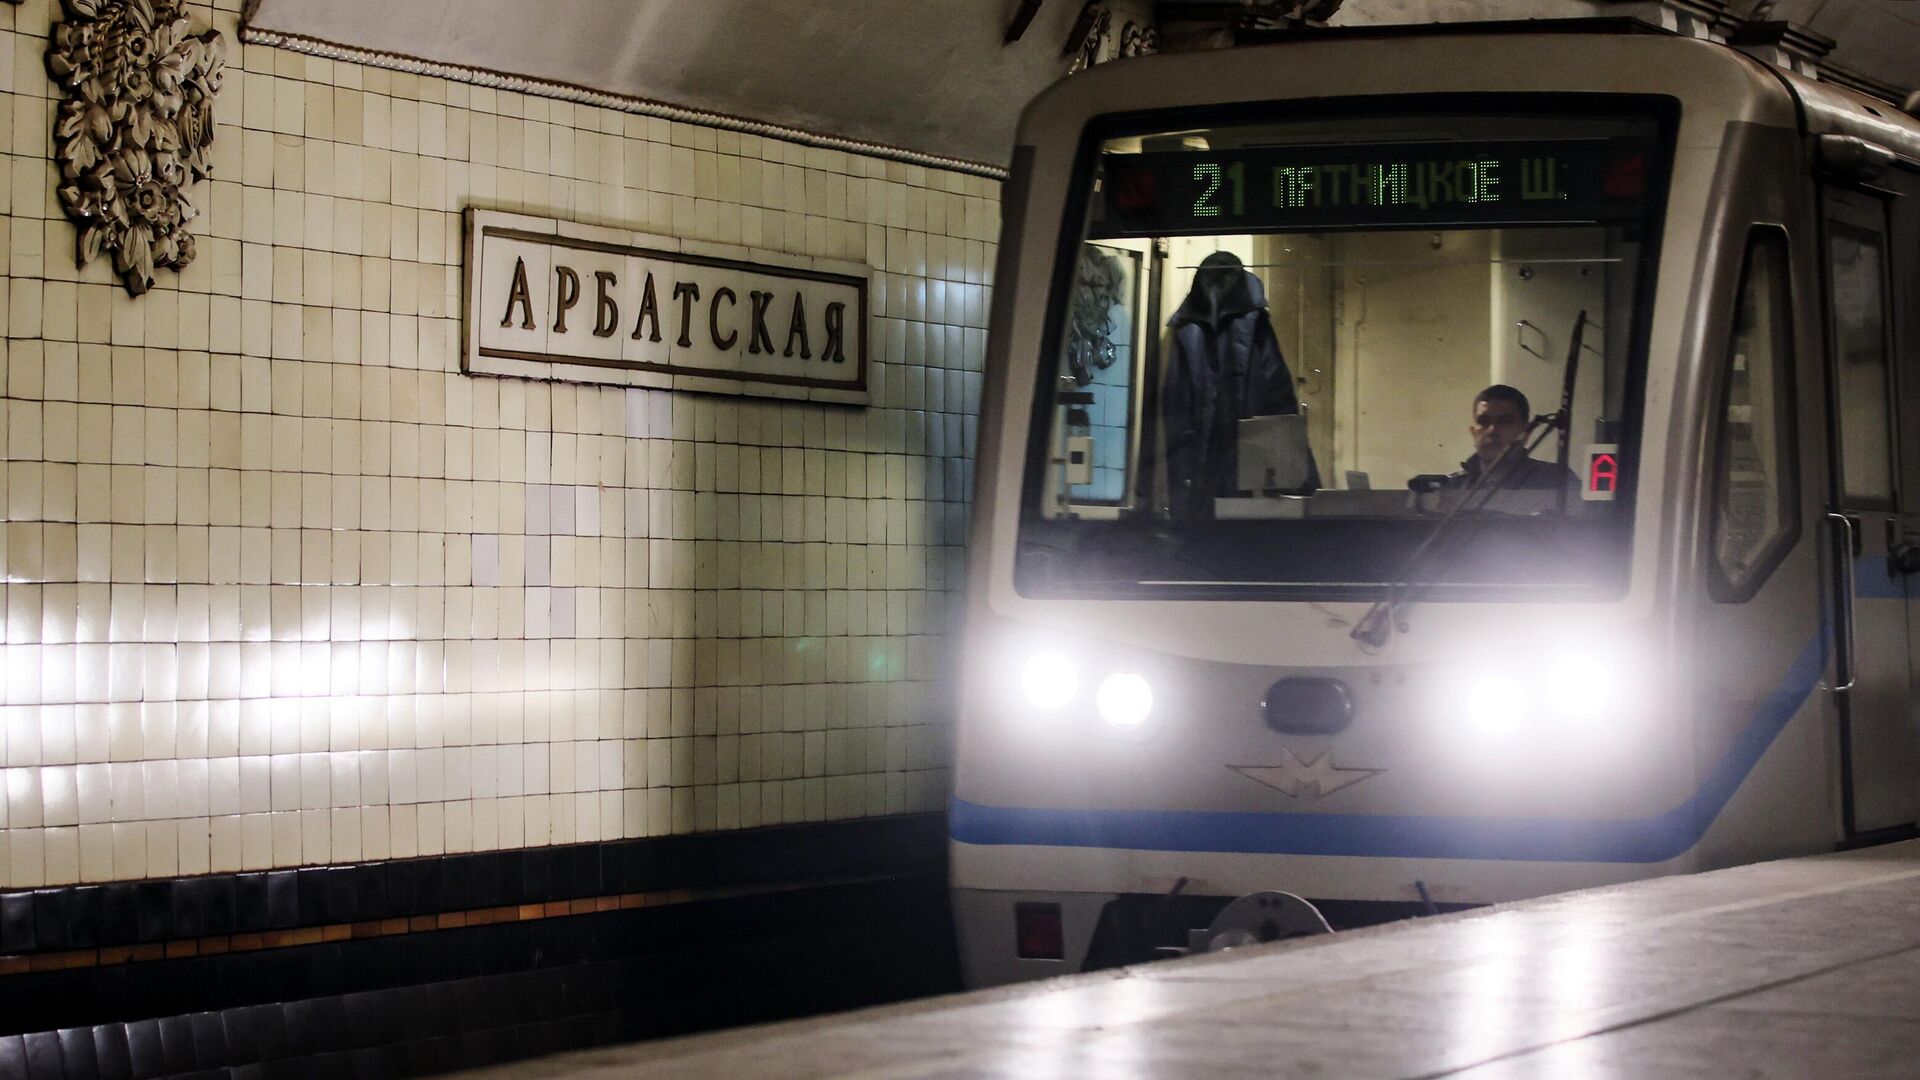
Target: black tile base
point(146, 912)
point(429, 1003)
point(421, 1003)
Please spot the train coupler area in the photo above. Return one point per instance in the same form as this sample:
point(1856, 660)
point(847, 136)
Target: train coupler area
point(1137, 927)
point(1257, 918)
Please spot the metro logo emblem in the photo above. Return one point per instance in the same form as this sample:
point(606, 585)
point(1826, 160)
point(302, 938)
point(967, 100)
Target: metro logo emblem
point(1304, 779)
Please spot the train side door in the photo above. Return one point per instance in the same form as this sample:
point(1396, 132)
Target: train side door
point(1904, 218)
point(1872, 671)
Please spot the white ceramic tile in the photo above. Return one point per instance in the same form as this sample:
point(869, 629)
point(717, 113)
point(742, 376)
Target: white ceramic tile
point(304, 593)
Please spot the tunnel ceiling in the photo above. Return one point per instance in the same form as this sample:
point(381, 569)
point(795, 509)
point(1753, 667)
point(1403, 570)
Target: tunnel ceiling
point(927, 75)
point(1878, 38)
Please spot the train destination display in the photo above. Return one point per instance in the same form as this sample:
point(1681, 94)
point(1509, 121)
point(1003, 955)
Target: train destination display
point(1165, 193)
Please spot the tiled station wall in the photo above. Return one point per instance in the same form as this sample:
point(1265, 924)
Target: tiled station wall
point(282, 587)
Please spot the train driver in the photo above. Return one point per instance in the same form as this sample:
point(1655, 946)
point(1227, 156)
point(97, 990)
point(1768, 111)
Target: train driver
point(1499, 426)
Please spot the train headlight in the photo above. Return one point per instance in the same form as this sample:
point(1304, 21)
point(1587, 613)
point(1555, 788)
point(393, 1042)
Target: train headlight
point(1124, 699)
point(1581, 687)
point(1496, 703)
point(1050, 680)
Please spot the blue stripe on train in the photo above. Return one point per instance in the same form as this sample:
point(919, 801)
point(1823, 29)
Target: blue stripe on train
point(1639, 840)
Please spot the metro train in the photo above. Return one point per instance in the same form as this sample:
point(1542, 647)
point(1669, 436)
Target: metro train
point(1245, 617)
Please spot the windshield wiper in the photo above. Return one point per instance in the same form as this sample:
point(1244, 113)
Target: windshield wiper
point(1376, 627)
point(1563, 420)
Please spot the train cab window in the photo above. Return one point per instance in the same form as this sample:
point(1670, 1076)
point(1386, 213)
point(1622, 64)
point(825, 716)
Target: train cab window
point(1098, 372)
point(1857, 265)
point(1754, 518)
point(1292, 352)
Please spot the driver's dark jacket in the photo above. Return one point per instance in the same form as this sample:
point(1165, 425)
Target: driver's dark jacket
point(1517, 472)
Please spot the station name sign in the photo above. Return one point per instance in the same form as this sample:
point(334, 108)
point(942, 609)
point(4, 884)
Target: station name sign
point(1423, 184)
point(554, 300)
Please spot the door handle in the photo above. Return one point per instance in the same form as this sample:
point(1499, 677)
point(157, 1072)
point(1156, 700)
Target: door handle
point(1843, 623)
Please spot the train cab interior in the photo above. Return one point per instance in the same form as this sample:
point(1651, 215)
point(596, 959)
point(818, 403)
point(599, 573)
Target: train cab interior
point(1276, 339)
point(1380, 340)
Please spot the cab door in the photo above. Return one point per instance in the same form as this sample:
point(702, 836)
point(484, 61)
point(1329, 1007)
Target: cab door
point(1867, 527)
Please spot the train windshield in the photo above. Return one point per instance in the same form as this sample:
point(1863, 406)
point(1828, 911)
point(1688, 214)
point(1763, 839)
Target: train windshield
point(1330, 356)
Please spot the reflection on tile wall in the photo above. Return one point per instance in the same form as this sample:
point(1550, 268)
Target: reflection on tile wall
point(282, 587)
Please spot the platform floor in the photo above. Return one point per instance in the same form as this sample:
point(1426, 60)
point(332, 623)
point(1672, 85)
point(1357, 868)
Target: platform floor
point(1800, 968)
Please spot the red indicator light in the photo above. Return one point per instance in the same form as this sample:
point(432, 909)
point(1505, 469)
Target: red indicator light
point(1626, 176)
point(1130, 189)
point(1037, 931)
point(1603, 473)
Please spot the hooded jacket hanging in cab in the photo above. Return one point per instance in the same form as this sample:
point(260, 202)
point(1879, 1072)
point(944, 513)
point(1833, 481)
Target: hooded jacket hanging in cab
point(1226, 367)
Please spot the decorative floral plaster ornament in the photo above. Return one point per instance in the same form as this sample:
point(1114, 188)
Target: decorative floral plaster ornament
point(134, 130)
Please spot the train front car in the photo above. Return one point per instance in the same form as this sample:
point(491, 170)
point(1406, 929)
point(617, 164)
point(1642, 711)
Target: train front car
point(1277, 582)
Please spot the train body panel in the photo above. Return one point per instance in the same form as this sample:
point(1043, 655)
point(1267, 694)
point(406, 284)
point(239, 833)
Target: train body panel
point(1701, 725)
